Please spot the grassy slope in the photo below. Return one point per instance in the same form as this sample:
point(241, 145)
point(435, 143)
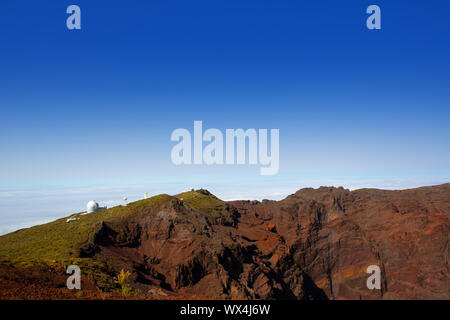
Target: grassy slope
point(202, 201)
point(57, 242)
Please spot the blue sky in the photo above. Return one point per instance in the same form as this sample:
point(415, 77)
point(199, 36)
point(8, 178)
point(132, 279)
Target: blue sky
point(96, 107)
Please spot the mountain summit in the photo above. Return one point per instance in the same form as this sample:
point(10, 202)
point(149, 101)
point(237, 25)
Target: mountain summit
point(314, 244)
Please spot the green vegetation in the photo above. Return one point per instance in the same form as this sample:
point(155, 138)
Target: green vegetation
point(57, 242)
point(202, 201)
point(123, 280)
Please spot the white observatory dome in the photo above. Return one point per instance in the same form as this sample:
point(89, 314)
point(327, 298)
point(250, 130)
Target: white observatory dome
point(91, 206)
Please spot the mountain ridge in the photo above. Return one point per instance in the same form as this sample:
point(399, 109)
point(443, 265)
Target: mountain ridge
point(314, 244)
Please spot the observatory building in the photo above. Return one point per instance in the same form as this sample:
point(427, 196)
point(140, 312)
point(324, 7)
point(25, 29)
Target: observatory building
point(93, 206)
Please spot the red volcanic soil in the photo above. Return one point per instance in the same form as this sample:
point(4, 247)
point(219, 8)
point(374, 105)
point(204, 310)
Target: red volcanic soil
point(315, 244)
point(38, 283)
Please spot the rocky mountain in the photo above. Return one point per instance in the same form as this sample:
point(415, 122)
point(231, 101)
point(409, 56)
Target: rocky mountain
point(314, 244)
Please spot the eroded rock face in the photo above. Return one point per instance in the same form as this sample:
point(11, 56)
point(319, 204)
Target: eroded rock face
point(315, 244)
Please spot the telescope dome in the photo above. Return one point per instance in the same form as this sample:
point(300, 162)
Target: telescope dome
point(92, 206)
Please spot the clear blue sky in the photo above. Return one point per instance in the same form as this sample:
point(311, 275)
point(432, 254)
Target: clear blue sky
point(97, 106)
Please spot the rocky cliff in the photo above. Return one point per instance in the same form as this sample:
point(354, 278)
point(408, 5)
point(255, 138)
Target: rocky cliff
point(314, 244)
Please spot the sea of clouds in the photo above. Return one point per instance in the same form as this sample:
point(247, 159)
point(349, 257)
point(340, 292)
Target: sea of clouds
point(28, 207)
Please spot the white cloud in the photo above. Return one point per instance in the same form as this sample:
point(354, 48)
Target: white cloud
point(25, 208)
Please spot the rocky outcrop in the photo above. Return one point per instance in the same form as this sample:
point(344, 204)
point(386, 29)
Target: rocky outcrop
point(315, 244)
